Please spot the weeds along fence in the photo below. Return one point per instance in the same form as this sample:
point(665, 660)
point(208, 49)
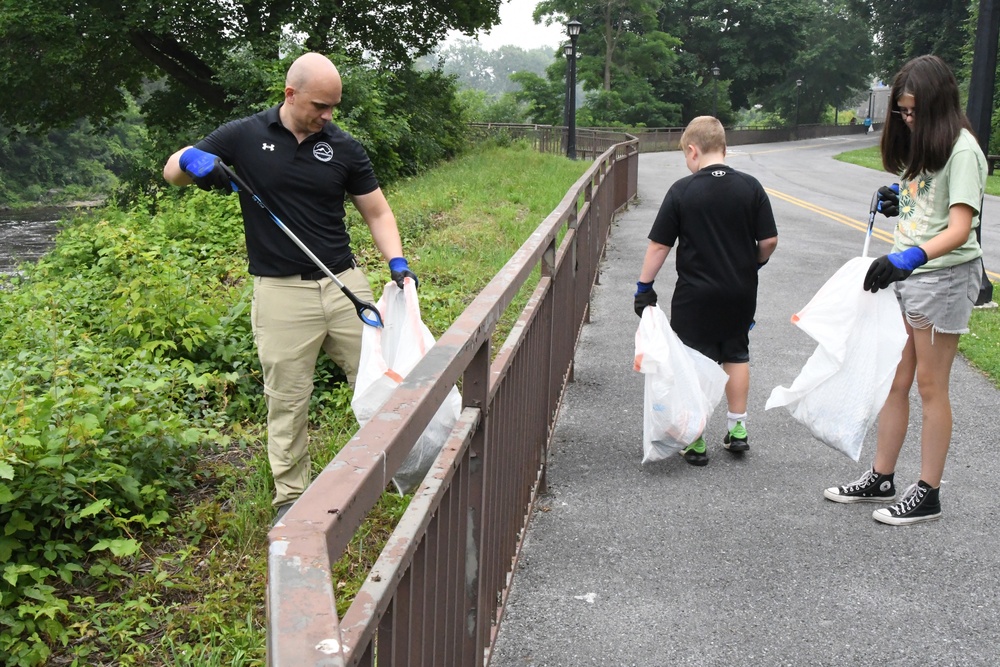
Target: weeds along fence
point(436, 593)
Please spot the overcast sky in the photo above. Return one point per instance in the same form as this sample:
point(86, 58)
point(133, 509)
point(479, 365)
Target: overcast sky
point(517, 28)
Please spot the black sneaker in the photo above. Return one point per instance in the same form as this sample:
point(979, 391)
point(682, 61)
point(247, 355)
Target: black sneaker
point(696, 453)
point(919, 503)
point(736, 440)
point(873, 487)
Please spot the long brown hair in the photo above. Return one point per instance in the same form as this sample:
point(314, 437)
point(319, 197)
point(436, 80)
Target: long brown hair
point(937, 123)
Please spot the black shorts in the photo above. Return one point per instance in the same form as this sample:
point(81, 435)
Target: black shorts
point(735, 350)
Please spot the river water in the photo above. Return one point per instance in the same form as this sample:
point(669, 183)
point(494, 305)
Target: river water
point(27, 235)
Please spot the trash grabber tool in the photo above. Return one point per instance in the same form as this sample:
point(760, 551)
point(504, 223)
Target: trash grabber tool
point(366, 311)
point(871, 223)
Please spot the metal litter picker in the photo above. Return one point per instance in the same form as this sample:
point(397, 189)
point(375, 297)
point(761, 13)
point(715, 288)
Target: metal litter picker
point(366, 311)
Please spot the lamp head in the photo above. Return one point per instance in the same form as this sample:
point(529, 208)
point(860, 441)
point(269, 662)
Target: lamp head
point(573, 28)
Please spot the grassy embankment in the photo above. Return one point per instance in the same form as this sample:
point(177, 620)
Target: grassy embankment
point(982, 345)
point(134, 482)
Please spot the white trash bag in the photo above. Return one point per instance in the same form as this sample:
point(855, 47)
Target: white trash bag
point(387, 356)
point(683, 386)
point(843, 385)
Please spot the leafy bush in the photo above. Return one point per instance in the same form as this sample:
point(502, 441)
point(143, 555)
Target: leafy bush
point(116, 371)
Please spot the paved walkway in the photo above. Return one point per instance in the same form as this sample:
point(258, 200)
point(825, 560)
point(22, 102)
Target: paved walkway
point(743, 562)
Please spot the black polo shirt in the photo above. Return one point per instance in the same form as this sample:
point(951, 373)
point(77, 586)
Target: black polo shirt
point(715, 217)
point(303, 184)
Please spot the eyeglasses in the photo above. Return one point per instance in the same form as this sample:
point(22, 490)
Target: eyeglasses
point(905, 113)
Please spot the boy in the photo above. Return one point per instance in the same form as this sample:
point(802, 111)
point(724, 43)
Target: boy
point(723, 221)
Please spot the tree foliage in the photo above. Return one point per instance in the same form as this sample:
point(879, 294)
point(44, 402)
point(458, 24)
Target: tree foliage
point(487, 70)
point(66, 59)
point(904, 29)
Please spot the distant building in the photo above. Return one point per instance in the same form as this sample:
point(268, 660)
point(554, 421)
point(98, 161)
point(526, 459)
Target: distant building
point(877, 104)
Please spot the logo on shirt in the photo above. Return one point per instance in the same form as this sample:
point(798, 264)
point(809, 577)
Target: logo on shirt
point(323, 151)
point(718, 173)
point(267, 147)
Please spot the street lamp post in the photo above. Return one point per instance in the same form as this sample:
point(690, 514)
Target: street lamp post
point(798, 87)
point(568, 52)
point(715, 91)
point(573, 29)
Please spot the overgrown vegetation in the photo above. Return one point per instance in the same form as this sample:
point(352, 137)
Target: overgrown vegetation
point(134, 484)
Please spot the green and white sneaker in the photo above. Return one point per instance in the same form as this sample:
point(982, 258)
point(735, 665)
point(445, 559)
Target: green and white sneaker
point(736, 439)
point(695, 453)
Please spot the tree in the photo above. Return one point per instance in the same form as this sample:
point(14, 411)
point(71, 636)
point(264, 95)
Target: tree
point(836, 62)
point(67, 59)
point(905, 29)
point(489, 71)
point(544, 98)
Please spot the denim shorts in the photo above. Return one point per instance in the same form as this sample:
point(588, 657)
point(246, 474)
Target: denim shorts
point(942, 299)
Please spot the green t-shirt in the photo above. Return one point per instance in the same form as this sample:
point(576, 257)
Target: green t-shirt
point(924, 203)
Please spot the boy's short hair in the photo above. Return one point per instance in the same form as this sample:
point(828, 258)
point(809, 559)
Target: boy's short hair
point(705, 132)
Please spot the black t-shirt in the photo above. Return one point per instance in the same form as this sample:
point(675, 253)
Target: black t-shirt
point(715, 217)
point(303, 184)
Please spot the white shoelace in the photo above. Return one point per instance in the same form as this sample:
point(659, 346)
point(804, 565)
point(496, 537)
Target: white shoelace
point(865, 480)
point(914, 494)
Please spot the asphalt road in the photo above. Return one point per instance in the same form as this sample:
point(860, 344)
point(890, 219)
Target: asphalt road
point(743, 562)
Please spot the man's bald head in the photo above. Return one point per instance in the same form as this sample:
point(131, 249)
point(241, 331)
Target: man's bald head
point(308, 68)
point(312, 91)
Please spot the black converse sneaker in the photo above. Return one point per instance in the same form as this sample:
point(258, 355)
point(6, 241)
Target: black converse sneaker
point(919, 503)
point(873, 487)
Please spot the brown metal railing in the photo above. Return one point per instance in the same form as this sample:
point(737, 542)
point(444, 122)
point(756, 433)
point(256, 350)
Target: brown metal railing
point(594, 141)
point(437, 592)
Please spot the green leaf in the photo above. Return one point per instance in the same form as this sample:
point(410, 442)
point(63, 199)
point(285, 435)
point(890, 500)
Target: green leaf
point(12, 572)
point(119, 547)
point(6, 495)
point(7, 547)
point(95, 507)
point(18, 522)
point(6, 471)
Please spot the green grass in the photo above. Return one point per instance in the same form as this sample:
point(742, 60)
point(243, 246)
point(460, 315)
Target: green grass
point(871, 158)
point(982, 345)
point(194, 592)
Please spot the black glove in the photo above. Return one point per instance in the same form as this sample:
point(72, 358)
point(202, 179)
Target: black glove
point(644, 296)
point(205, 169)
point(399, 271)
point(888, 200)
point(895, 266)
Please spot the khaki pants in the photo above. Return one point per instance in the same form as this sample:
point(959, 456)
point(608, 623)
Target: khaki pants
point(292, 320)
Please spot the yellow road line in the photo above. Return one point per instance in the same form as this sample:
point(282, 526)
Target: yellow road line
point(833, 215)
point(843, 219)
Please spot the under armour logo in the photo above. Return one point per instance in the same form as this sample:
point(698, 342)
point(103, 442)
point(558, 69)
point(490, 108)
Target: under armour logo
point(718, 173)
point(267, 147)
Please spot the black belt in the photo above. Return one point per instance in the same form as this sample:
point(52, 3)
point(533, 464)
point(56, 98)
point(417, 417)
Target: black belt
point(340, 268)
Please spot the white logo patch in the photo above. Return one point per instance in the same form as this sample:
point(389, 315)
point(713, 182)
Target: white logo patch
point(323, 151)
point(267, 147)
point(718, 173)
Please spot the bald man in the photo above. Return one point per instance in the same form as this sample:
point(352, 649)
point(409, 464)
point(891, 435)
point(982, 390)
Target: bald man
point(302, 166)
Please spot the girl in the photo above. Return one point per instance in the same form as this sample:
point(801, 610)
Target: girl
point(928, 141)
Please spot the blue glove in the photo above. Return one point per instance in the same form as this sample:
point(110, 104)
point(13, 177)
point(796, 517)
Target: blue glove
point(399, 271)
point(205, 169)
point(644, 296)
point(892, 267)
point(888, 200)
